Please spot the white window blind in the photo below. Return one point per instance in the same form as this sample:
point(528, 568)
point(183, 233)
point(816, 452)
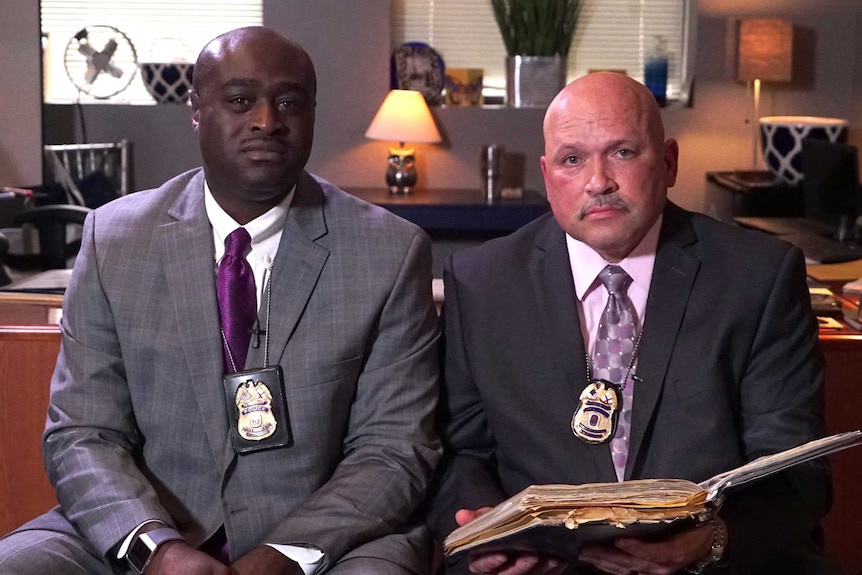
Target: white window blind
point(159, 30)
point(611, 34)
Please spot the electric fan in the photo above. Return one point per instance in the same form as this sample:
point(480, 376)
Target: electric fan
point(100, 61)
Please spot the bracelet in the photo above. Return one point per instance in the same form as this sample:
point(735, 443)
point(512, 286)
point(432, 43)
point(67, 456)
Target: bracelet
point(716, 551)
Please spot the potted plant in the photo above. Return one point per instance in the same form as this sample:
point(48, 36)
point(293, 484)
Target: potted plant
point(537, 35)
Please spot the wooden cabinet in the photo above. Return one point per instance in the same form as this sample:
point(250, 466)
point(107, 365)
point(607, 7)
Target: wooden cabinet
point(843, 408)
point(28, 351)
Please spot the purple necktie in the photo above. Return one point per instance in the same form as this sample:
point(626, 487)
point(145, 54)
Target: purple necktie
point(613, 354)
point(236, 299)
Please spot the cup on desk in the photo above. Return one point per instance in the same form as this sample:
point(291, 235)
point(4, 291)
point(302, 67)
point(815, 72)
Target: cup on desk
point(492, 171)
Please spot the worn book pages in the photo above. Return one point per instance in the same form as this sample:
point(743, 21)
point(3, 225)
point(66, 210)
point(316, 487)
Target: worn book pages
point(560, 518)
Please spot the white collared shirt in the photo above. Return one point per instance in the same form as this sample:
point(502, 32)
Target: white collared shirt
point(265, 231)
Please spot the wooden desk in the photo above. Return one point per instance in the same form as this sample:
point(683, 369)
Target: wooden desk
point(842, 393)
point(29, 344)
point(457, 218)
point(456, 212)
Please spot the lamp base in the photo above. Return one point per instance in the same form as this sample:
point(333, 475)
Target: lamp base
point(401, 171)
point(400, 190)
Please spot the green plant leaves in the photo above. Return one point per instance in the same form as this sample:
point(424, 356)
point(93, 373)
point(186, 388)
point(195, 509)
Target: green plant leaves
point(537, 27)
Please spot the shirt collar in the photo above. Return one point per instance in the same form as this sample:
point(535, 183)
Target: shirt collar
point(264, 229)
point(586, 263)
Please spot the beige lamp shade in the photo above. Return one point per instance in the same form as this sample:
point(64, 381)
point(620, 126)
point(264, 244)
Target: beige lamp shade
point(404, 117)
point(766, 50)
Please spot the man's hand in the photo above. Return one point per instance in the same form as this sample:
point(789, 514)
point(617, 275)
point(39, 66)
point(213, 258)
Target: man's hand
point(179, 557)
point(265, 560)
point(629, 555)
point(510, 563)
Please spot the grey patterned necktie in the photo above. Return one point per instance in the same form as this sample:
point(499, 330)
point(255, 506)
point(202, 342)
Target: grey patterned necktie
point(613, 354)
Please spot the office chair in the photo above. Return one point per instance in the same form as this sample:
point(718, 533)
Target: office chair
point(54, 249)
point(4, 248)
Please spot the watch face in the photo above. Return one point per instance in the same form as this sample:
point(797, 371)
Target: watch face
point(144, 546)
point(139, 553)
point(417, 66)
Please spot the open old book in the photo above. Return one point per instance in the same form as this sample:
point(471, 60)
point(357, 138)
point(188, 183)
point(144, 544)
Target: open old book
point(563, 517)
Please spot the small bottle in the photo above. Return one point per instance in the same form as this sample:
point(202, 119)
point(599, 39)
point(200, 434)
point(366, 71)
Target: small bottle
point(655, 70)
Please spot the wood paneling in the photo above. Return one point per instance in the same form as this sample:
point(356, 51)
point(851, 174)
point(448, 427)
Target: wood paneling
point(27, 357)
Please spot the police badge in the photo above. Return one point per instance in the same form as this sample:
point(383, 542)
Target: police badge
point(254, 406)
point(257, 410)
point(595, 420)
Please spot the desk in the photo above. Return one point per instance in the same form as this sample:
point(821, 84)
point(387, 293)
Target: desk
point(29, 344)
point(762, 200)
point(842, 399)
point(457, 218)
point(455, 212)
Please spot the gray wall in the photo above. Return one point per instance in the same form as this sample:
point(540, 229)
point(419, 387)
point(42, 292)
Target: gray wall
point(349, 42)
point(20, 94)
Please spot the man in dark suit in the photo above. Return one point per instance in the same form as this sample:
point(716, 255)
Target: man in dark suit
point(725, 368)
point(155, 466)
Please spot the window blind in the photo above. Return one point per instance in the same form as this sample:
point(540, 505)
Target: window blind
point(159, 30)
point(611, 34)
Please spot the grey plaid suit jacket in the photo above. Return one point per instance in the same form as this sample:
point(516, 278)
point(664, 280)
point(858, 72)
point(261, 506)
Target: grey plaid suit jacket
point(137, 425)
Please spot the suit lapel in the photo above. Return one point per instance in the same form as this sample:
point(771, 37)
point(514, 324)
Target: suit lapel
point(672, 280)
point(296, 268)
point(186, 247)
point(554, 287)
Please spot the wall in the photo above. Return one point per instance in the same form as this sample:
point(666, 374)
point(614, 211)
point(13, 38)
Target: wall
point(20, 94)
point(349, 42)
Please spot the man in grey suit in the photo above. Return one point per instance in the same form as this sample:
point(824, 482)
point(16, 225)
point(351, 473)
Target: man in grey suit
point(726, 367)
point(152, 471)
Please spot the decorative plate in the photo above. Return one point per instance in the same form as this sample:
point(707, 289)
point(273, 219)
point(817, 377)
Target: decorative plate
point(418, 66)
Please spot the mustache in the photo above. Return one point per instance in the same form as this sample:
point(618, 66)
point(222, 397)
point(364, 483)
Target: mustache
point(604, 201)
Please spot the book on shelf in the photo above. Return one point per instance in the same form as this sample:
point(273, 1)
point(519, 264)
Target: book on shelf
point(563, 517)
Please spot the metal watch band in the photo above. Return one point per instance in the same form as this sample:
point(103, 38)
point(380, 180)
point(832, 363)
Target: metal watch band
point(144, 546)
point(716, 551)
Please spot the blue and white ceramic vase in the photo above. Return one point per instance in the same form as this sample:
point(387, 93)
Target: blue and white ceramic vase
point(781, 141)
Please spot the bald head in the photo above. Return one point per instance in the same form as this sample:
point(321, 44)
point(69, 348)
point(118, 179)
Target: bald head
point(250, 38)
point(602, 95)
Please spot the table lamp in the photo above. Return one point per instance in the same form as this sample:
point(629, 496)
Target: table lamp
point(403, 117)
point(765, 54)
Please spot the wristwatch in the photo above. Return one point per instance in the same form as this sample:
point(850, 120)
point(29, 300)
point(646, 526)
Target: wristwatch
point(143, 547)
point(716, 551)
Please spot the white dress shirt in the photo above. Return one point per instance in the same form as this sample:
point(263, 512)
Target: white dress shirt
point(586, 264)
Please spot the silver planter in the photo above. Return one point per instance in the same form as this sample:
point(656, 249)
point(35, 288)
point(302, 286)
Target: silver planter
point(533, 81)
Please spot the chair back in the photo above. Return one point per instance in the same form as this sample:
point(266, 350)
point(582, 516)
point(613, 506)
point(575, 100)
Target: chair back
point(4, 247)
point(51, 222)
point(81, 160)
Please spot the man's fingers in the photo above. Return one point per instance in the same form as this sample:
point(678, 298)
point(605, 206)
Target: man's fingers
point(520, 564)
point(488, 563)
